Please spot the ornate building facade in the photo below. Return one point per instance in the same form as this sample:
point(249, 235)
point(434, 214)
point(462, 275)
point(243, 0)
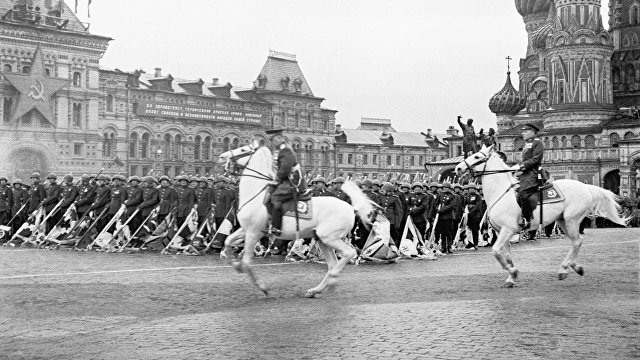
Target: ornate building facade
point(62, 112)
point(571, 85)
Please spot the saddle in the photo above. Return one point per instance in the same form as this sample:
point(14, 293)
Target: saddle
point(551, 194)
point(302, 206)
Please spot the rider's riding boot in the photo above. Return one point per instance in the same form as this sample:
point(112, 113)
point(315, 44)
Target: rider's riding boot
point(276, 222)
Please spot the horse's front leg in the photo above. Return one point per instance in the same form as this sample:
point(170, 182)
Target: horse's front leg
point(502, 254)
point(332, 260)
point(249, 247)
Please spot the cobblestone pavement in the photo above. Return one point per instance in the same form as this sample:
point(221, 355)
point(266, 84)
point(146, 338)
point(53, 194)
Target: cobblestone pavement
point(67, 305)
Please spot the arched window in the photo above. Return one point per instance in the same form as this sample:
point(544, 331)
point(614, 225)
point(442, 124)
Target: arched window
point(133, 145)
point(546, 142)
point(7, 68)
point(178, 147)
point(25, 69)
point(554, 142)
point(235, 143)
point(616, 74)
point(629, 135)
point(144, 146)
point(518, 144)
point(77, 112)
point(110, 103)
point(107, 146)
point(197, 147)
point(575, 141)
point(206, 149)
point(614, 139)
point(167, 146)
point(589, 141)
point(76, 79)
point(47, 72)
point(226, 144)
point(563, 141)
point(7, 106)
point(634, 14)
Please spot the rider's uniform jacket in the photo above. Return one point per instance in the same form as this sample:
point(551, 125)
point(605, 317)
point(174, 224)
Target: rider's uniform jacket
point(532, 155)
point(168, 199)
point(149, 200)
point(391, 208)
point(37, 193)
point(186, 200)
point(53, 197)
point(86, 195)
point(289, 169)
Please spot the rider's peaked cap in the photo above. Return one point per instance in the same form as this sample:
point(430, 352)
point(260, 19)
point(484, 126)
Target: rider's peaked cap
point(530, 127)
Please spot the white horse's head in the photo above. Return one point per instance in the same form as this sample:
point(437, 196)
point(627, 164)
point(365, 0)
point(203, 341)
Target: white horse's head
point(240, 155)
point(476, 162)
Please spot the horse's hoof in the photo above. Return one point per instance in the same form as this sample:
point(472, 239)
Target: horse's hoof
point(508, 284)
point(514, 273)
point(579, 270)
point(264, 289)
point(310, 294)
point(562, 276)
point(332, 283)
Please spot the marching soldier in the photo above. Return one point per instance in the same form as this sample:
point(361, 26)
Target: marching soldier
point(20, 198)
point(168, 198)
point(391, 209)
point(446, 221)
point(418, 205)
point(118, 197)
point(367, 186)
point(375, 186)
point(527, 172)
point(475, 205)
point(337, 189)
point(319, 187)
point(69, 195)
point(100, 203)
point(86, 196)
point(37, 193)
point(186, 201)
point(134, 199)
point(405, 198)
point(6, 201)
point(205, 197)
point(53, 197)
point(150, 200)
point(223, 199)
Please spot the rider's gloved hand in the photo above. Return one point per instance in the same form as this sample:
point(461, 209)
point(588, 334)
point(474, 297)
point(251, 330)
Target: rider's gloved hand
point(516, 167)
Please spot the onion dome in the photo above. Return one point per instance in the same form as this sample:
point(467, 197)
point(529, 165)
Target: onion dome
point(528, 7)
point(507, 101)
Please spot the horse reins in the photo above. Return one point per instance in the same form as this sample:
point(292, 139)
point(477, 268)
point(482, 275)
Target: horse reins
point(259, 175)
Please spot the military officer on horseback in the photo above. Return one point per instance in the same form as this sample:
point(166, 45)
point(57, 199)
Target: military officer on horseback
point(527, 172)
point(290, 182)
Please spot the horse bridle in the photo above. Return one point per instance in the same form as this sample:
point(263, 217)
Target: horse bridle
point(484, 171)
point(261, 176)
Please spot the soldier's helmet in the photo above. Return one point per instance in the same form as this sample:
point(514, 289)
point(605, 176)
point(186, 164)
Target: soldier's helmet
point(51, 176)
point(375, 182)
point(85, 177)
point(203, 179)
point(194, 179)
point(165, 177)
point(149, 179)
point(446, 186)
point(3, 178)
point(393, 181)
point(338, 180)
point(68, 178)
point(134, 178)
point(321, 180)
point(103, 177)
point(35, 175)
point(405, 185)
point(358, 182)
point(387, 186)
point(473, 186)
point(417, 184)
point(221, 178)
point(183, 177)
point(367, 182)
point(119, 177)
point(433, 184)
point(18, 181)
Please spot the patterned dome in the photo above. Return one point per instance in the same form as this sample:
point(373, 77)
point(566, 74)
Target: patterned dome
point(528, 7)
point(508, 100)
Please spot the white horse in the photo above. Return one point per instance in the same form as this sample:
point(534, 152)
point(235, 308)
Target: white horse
point(498, 187)
point(332, 218)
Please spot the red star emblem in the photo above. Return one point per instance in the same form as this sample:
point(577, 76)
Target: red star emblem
point(35, 88)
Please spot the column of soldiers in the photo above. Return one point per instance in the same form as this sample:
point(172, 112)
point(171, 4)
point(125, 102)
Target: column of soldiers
point(421, 202)
point(100, 198)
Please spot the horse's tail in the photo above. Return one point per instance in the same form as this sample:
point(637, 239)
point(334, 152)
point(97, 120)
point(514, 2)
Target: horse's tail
point(360, 202)
point(606, 204)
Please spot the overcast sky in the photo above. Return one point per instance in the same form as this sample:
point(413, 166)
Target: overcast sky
point(418, 62)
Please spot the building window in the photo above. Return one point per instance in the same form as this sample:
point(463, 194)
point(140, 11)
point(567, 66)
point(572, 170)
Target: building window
point(235, 143)
point(398, 160)
point(349, 158)
point(374, 159)
point(7, 105)
point(25, 69)
point(590, 141)
point(629, 135)
point(614, 139)
point(146, 171)
point(459, 150)
point(197, 148)
point(7, 68)
point(178, 147)
point(167, 170)
point(110, 103)
point(77, 149)
point(560, 86)
point(340, 158)
point(206, 149)
point(134, 170)
point(365, 159)
point(584, 90)
point(144, 146)
point(575, 141)
point(133, 145)
point(77, 118)
point(76, 79)
point(388, 160)
point(47, 72)
point(421, 160)
point(167, 146)
point(554, 142)
point(107, 146)
point(226, 144)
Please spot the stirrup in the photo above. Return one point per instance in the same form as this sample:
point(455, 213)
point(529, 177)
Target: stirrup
point(524, 224)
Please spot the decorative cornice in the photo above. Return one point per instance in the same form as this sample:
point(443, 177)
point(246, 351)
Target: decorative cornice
point(13, 31)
